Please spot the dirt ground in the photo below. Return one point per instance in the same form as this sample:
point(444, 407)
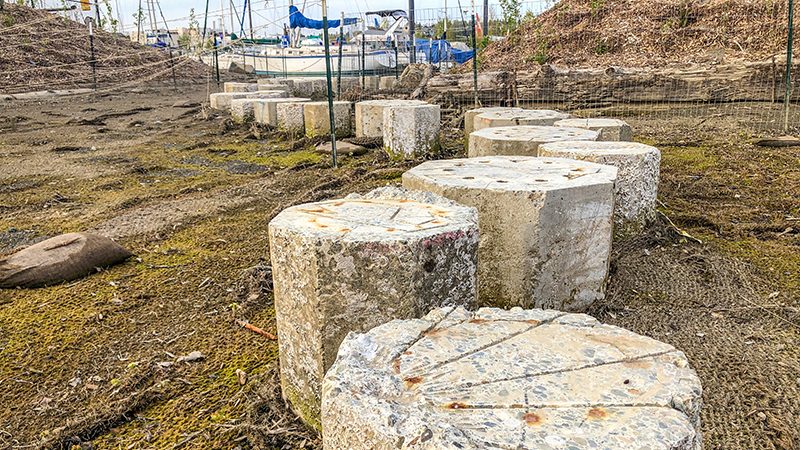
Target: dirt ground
point(93, 363)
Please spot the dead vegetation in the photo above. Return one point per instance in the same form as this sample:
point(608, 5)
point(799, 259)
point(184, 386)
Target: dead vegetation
point(638, 33)
point(42, 51)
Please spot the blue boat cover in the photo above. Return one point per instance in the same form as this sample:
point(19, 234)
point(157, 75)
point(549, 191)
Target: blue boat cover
point(441, 50)
point(297, 19)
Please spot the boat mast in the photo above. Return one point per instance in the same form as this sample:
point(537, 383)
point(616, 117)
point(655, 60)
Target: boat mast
point(222, 20)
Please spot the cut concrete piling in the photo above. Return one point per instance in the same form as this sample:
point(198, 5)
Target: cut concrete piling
point(266, 110)
point(352, 264)
point(222, 100)
point(607, 129)
point(545, 225)
point(469, 117)
point(274, 87)
point(303, 88)
point(240, 87)
point(410, 131)
point(369, 115)
point(291, 118)
point(242, 109)
point(518, 379)
point(521, 140)
point(318, 122)
point(637, 182)
point(539, 117)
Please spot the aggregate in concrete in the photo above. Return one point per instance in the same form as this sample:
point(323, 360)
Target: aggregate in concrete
point(266, 110)
point(540, 117)
point(469, 117)
point(369, 115)
point(355, 263)
point(521, 140)
point(410, 131)
point(637, 181)
point(607, 129)
point(222, 100)
point(546, 225)
point(242, 109)
point(317, 118)
point(290, 117)
point(517, 379)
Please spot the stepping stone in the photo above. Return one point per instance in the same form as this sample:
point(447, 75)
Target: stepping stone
point(355, 263)
point(222, 100)
point(291, 118)
point(240, 87)
point(266, 110)
point(410, 131)
point(518, 379)
point(369, 115)
point(545, 225)
point(637, 181)
point(521, 140)
point(540, 117)
point(607, 129)
point(318, 122)
point(469, 117)
point(243, 109)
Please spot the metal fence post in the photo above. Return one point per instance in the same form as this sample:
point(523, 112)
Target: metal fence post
point(328, 78)
point(788, 68)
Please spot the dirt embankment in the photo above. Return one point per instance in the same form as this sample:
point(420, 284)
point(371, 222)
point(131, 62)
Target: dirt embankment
point(643, 33)
point(41, 50)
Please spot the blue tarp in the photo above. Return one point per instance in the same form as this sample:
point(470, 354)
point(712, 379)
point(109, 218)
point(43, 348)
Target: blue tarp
point(441, 50)
point(297, 19)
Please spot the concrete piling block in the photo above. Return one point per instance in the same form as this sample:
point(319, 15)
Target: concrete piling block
point(410, 131)
point(291, 118)
point(222, 100)
point(369, 115)
point(388, 82)
point(637, 182)
point(355, 263)
point(469, 117)
point(607, 129)
point(274, 87)
point(546, 225)
point(317, 119)
point(303, 88)
point(521, 140)
point(518, 379)
point(240, 87)
point(266, 110)
point(538, 117)
point(372, 83)
point(348, 84)
point(242, 109)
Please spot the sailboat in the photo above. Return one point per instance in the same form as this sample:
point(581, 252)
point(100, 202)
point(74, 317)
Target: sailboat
point(375, 49)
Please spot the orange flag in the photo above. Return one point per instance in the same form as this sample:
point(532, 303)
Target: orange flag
point(478, 27)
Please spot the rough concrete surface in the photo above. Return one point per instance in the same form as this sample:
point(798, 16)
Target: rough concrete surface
point(637, 181)
point(291, 117)
point(242, 109)
point(607, 129)
point(410, 131)
point(317, 118)
point(355, 263)
point(540, 117)
point(369, 115)
point(469, 116)
point(545, 225)
point(231, 86)
point(518, 379)
point(388, 82)
point(266, 110)
point(521, 140)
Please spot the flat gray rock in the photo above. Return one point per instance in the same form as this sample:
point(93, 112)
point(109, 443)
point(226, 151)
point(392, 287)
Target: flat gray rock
point(518, 379)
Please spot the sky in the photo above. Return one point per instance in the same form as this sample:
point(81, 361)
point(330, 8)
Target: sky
point(269, 16)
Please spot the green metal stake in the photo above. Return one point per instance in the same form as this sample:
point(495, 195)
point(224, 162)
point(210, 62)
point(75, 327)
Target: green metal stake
point(396, 60)
point(91, 48)
point(788, 68)
point(328, 77)
point(339, 73)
